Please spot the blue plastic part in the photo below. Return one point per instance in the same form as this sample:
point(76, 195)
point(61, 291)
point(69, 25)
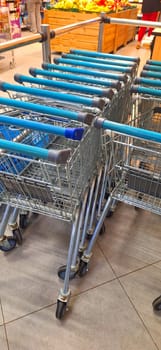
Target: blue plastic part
point(146, 73)
point(107, 75)
point(151, 82)
point(105, 55)
point(39, 108)
point(74, 134)
point(46, 128)
point(111, 62)
point(128, 130)
point(46, 93)
point(145, 90)
point(150, 67)
point(64, 85)
point(153, 62)
point(80, 78)
point(32, 151)
point(93, 65)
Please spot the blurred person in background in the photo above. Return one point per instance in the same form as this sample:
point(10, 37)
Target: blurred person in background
point(33, 7)
point(150, 12)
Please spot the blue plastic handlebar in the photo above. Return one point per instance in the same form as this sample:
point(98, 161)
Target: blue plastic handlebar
point(71, 133)
point(145, 90)
point(105, 55)
point(107, 75)
point(128, 130)
point(58, 156)
point(74, 77)
point(53, 94)
point(111, 62)
point(145, 81)
point(51, 111)
point(65, 85)
point(146, 73)
point(152, 67)
point(92, 65)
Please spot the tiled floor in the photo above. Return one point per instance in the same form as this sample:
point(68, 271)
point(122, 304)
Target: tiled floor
point(110, 308)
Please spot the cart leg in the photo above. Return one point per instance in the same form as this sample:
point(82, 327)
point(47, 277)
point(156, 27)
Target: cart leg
point(7, 243)
point(14, 226)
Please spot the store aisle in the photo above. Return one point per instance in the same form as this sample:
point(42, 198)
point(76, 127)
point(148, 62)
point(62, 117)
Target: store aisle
point(110, 306)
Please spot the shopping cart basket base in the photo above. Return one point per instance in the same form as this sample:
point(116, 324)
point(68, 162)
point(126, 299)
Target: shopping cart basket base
point(8, 243)
point(157, 304)
point(62, 270)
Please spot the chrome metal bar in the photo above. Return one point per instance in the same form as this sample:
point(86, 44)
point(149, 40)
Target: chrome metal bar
point(132, 22)
point(70, 27)
point(16, 43)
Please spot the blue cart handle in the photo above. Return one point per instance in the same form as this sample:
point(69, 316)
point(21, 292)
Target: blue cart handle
point(55, 156)
point(93, 65)
point(146, 73)
point(51, 111)
point(153, 62)
point(107, 75)
point(152, 67)
point(130, 65)
point(105, 55)
point(128, 130)
point(113, 84)
point(146, 81)
point(70, 133)
point(80, 88)
point(145, 90)
point(92, 102)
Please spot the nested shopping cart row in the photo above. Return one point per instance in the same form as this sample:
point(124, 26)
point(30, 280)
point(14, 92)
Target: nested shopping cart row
point(63, 173)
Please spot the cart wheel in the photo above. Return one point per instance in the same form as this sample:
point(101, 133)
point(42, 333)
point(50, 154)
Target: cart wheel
point(61, 309)
point(83, 268)
point(23, 220)
point(17, 236)
point(8, 244)
point(102, 230)
point(109, 214)
point(157, 304)
point(61, 273)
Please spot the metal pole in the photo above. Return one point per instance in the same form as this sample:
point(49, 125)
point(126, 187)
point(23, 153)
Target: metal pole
point(16, 43)
point(70, 27)
point(132, 22)
point(100, 34)
point(46, 51)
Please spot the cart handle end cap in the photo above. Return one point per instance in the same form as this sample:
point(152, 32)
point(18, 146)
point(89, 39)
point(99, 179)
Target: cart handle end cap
point(98, 122)
point(74, 133)
point(32, 71)
point(59, 156)
point(86, 118)
point(2, 86)
point(17, 78)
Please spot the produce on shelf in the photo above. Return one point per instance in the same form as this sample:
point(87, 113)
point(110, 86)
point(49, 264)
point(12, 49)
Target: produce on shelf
point(91, 5)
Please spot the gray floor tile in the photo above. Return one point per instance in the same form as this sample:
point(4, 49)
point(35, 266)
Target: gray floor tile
point(101, 318)
point(31, 269)
point(142, 288)
point(132, 239)
point(3, 342)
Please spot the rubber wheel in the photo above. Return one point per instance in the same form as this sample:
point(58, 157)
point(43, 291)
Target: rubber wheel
point(157, 304)
point(61, 309)
point(102, 230)
point(8, 244)
point(17, 236)
point(83, 268)
point(109, 214)
point(23, 221)
point(62, 271)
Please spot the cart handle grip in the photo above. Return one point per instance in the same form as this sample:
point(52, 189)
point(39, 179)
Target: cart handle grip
point(152, 67)
point(93, 65)
point(65, 85)
point(146, 73)
point(52, 111)
point(107, 75)
point(145, 90)
point(55, 156)
point(106, 55)
point(61, 96)
point(153, 62)
point(113, 84)
point(128, 130)
point(70, 133)
point(146, 81)
point(130, 65)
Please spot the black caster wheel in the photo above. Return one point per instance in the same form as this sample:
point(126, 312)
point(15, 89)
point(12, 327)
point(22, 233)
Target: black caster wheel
point(61, 309)
point(88, 236)
point(23, 220)
point(7, 244)
point(102, 230)
point(157, 304)
point(61, 273)
point(109, 214)
point(83, 268)
point(17, 236)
